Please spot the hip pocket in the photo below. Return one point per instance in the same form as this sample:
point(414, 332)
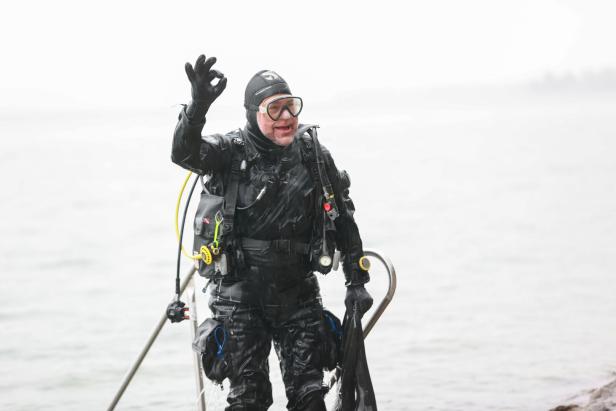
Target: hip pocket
point(211, 342)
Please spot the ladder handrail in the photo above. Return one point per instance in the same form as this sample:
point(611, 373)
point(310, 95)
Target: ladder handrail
point(192, 304)
point(188, 280)
point(159, 326)
point(393, 282)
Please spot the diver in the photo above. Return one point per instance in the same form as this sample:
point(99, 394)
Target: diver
point(285, 209)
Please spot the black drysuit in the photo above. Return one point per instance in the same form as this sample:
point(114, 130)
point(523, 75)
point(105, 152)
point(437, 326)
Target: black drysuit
point(275, 295)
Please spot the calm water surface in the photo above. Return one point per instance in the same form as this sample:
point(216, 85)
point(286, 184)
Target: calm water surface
point(500, 218)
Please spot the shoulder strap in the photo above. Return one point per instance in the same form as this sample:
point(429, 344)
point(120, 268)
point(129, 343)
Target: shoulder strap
point(319, 173)
point(238, 164)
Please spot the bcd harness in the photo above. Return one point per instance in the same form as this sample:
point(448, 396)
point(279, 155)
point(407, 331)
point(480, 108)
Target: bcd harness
point(221, 252)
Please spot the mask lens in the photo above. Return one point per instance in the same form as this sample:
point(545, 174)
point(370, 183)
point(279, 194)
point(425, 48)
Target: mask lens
point(295, 105)
point(276, 107)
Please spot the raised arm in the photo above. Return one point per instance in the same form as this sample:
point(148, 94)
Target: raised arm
point(190, 150)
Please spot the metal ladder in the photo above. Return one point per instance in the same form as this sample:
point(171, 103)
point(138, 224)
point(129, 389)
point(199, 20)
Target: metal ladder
point(192, 303)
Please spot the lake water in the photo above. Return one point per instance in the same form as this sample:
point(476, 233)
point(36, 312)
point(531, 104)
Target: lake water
point(499, 214)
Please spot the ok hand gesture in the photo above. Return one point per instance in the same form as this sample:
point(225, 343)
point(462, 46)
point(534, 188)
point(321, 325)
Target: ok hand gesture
point(201, 78)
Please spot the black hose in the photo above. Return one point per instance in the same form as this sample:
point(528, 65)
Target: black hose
point(177, 276)
point(318, 152)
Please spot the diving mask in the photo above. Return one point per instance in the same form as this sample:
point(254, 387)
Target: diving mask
point(278, 105)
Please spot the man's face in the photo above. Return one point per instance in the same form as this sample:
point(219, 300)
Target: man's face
point(280, 131)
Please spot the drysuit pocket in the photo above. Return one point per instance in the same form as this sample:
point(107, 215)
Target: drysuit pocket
point(331, 338)
point(205, 221)
point(208, 231)
point(210, 341)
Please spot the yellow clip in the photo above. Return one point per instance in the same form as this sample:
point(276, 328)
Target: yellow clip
point(218, 217)
point(364, 263)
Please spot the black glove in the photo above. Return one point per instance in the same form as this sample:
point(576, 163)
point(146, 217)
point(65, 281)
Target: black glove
point(202, 91)
point(357, 294)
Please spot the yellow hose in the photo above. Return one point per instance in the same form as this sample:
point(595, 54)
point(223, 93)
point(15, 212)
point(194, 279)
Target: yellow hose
point(177, 214)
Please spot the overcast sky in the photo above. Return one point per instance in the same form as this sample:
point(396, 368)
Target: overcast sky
point(131, 53)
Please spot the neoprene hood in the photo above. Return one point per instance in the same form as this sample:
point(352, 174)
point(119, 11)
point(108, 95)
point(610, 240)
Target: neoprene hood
point(262, 85)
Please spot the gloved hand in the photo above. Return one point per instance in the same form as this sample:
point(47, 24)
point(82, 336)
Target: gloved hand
point(202, 91)
point(357, 294)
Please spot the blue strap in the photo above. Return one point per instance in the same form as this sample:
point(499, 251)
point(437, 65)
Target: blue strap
point(220, 344)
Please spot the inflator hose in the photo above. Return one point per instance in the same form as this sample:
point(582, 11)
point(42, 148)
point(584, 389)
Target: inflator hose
point(180, 232)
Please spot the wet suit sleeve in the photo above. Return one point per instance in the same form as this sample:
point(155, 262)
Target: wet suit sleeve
point(348, 239)
point(201, 155)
